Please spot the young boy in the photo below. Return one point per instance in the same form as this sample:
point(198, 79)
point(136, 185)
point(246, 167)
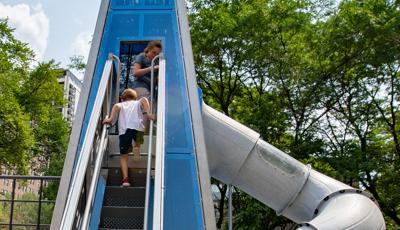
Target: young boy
point(131, 117)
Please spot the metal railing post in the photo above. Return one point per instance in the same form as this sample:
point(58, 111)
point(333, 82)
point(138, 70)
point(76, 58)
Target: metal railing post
point(40, 204)
point(93, 183)
point(159, 188)
point(152, 81)
point(12, 203)
point(230, 205)
point(78, 180)
point(150, 150)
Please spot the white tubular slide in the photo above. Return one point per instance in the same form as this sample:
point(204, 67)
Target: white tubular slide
point(237, 156)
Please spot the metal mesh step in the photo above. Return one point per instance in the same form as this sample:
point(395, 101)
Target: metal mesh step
point(119, 229)
point(124, 197)
point(122, 218)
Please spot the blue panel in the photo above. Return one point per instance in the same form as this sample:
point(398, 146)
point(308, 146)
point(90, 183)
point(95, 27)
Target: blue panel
point(142, 4)
point(151, 205)
point(98, 203)
point(200, 98)
point(182, 204)
point(124, 24)
point(144, 20)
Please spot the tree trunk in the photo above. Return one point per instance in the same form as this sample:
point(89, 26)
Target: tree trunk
point(221, 206)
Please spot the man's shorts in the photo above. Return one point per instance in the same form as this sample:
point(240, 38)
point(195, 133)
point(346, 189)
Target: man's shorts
point(125, 140)
point(142, 92)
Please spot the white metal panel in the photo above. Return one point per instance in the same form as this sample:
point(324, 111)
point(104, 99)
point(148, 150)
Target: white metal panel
point(81, 166)
point(316, 189)
point(275, 180)
point(196, 117)
point(236, 156)
point(228, 144)
point(159, 188)
point(77, 125)
point(350, 211)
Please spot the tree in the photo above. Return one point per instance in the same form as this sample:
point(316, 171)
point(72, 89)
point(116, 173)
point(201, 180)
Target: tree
point(30, 99)
point(317, 79)
point(16, 136)
point(363, 69)
point(228, 43)
point(77, 63)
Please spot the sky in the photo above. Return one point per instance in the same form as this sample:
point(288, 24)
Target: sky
point(53, 29)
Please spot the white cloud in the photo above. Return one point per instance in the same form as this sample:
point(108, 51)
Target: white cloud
point(81, 44)
point(31, 25)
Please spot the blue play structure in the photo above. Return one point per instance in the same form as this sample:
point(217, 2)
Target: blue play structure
point(189, 143)
point(123, 29)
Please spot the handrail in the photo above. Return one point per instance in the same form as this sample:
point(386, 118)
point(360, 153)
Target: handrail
point(158, 212)
point(22, 177)
point(115, 57)
point(39, 201)
point(74, 194)
point(96, 173)
point(150, 149)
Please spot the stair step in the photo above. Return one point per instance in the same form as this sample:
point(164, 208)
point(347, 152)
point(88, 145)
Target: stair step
point(121, 218)
point(129, 154)
point(120, 228)
point(113, 161)
point(137, 177)
point(124, 196)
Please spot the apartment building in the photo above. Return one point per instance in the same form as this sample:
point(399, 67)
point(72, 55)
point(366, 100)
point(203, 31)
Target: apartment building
point(72, 89)
point(21, 186)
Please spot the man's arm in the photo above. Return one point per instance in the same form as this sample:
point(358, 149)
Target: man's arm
point(138, 71)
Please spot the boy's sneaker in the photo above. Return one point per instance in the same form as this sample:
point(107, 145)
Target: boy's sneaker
point(125, 182)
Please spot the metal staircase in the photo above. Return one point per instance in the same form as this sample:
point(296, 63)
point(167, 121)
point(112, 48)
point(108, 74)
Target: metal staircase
point(123, 207)
point(184, 203)
point(95, 199)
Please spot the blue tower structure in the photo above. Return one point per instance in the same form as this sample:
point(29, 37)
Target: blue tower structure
point(123, 29)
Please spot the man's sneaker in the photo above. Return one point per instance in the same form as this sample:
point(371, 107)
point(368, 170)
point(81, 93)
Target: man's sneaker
point(125, 182)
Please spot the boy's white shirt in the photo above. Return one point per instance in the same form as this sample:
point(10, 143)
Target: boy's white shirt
point(130, 117)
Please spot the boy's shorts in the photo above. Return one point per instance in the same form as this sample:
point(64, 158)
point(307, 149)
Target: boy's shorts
point(125, 140)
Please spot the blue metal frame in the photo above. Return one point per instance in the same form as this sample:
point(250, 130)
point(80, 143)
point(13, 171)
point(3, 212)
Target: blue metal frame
point(142, 22)
point(98, 203)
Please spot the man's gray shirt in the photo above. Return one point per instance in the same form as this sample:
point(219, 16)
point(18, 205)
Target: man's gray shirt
point(145, 80)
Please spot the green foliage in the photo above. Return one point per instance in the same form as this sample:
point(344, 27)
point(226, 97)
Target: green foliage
point(16, 135)
point(318, 80)
point(16, 139)
point(251, 214)
point(31, 125)
point(77, 63)
point(14, 55)
point(26, 212)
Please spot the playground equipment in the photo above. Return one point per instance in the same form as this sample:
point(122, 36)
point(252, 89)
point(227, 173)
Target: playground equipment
point(192, 142)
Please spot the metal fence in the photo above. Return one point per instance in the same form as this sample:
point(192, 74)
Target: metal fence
point(12, 205)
